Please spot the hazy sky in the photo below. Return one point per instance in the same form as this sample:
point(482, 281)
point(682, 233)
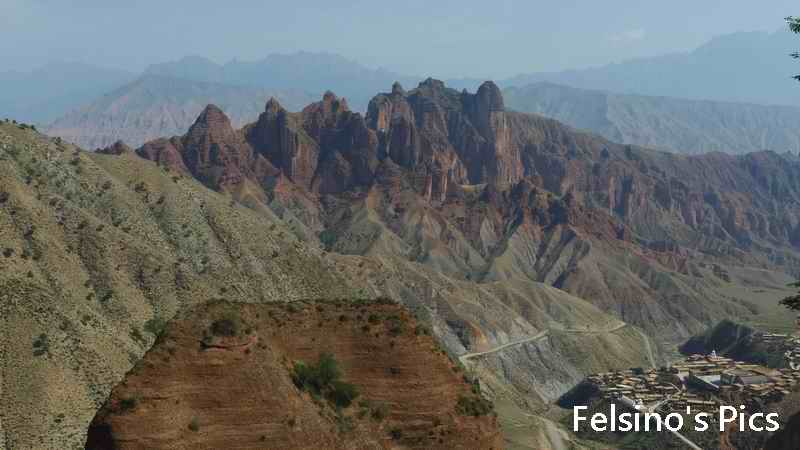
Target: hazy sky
point(443, 38)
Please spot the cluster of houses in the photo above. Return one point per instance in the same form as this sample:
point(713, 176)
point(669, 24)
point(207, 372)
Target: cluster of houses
point(701, 382)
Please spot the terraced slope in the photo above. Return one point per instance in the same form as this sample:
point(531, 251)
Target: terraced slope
point(241, 390)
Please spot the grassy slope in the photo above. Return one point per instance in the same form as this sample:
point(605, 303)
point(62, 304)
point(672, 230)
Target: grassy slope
point(92, 257)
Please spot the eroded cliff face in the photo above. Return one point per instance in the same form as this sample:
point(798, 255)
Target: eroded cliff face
point(446, 137)
point(455, 181)
point(206, 386)
point(455, 194)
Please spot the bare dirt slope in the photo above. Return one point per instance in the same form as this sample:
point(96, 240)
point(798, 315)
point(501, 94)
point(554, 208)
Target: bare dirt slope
point(194, 390)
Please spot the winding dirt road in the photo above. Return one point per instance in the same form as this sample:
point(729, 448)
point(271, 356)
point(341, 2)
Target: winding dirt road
point(463, 358)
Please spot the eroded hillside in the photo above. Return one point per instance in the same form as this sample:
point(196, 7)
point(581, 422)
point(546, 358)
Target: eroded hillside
point(226, 376)
point(95, 248)
point(455, 182)
point(99, 249)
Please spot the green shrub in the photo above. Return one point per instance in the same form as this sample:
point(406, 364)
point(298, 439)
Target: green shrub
point(342, 394)
point(395, 325)
point(473, 406)
point(328, 368)
point(422, 329)
point(155, 326)
point(41, 345)
point(327, 238)
point(226, 327)
point(323, 380)
point(128, 403)
point(194, 425)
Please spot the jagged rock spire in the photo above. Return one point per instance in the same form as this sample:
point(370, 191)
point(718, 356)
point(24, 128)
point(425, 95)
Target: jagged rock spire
point(397, 89)
point(489, 96)
point(273, 106)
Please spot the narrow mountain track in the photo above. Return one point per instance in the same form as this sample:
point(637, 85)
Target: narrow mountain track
point(467, 356)
point(463, 358)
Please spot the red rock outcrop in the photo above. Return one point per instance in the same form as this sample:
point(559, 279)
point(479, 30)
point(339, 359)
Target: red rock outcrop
point(475, 174)
point(197, 388)
point(279, 136)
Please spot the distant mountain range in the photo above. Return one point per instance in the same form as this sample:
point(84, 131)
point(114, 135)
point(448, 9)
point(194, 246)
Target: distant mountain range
point(159, 105)
point(154, 105)
point(745, 67)
point(312, 72)
point(42, 95)
point(686, 126)
point(750, 67)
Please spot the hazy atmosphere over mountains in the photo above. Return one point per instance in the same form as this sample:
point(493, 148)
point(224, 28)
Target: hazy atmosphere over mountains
point(164, 100)
point(362, 225)
point(95, 107)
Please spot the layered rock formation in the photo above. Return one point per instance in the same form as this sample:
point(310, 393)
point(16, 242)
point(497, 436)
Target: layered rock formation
point(455, 181)
point(237, 391)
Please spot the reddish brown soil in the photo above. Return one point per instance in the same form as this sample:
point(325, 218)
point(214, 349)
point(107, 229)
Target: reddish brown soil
point(237, 392)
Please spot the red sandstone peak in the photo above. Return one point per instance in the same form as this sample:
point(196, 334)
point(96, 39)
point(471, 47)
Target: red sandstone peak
point(330, 104)
point(489, 95)
point(212, 114)
point(212, 122)
point(328, 96)
point(323, 114)
point(432, 84)
point(273, 106)
point(397, 89)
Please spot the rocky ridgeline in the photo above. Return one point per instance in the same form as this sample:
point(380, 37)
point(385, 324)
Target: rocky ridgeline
point(517, 193)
